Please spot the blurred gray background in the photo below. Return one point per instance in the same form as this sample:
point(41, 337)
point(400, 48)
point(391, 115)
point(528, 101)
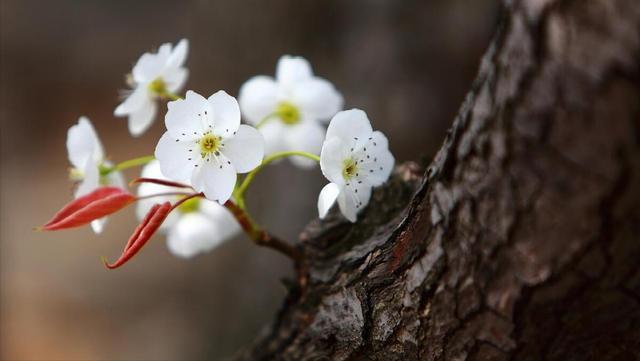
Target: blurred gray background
point(407, 63)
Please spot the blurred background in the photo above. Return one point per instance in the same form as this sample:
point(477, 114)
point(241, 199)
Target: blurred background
point(407, 63)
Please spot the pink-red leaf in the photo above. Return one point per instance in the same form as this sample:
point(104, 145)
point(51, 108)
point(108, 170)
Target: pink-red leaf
point(149, 225)
point(97, 204)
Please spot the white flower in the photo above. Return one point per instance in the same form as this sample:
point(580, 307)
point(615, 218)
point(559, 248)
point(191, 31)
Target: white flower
point(153, 76)
point(291, 107)
point(355, 159)
point(206, 145)
point(87, 158)
point(196, 226)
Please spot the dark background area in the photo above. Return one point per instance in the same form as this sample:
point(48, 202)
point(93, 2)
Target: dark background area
point(407, 63)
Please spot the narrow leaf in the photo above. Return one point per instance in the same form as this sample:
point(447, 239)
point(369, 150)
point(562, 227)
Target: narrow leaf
point(149, 225)
point(97, 204)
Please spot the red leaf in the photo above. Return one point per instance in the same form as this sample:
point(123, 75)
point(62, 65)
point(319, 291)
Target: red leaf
point(149, 225)
point(97, 204)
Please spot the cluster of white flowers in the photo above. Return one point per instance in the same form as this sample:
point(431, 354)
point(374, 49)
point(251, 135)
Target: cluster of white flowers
point(205, 145)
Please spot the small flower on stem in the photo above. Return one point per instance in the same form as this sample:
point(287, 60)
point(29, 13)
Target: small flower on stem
point(89, 165)
point(289, 110)
point(206, 145)
point(155, 75)
point(198, 225)
point(354, 159)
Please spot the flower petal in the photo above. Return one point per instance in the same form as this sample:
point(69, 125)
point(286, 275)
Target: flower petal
point(216, 179)
point(226, 223)
point(350, 125)
point(226, 114)
point(90, 180)
point(141, 119)
point(292, 69)
point(98, 225)
point(317, 98)
point(334, 152)
point(274, 136)
point(188, 118)
point(377, 162)
point(175, 79)
point(354, 198)
point(152, 170)
point(201, 232)
point(307, 137)
point(178, 159)
point(115, 178)
point(134, 101)
point(148, 67)
point(190, 235)
point(245, 149)
point(164, 52)
point(258, 98)
point(327, 198)
point(178, 55)
point(83, 143)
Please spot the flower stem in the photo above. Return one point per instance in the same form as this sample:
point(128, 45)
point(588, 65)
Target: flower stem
point(131, 163)
point(261, 237)
point(266, 119)
point(170, 96)
point(166, 194)
point(239, 193)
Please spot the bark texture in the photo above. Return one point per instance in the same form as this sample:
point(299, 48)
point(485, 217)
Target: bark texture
point(521, 240)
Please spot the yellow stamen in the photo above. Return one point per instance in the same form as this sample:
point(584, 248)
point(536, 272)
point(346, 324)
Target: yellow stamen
point(288, 113)
point(76, 175)
point(349, 168)
point(209, 144)
point(158, 87)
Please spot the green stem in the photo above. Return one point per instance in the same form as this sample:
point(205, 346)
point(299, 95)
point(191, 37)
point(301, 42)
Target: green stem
point(266, 119)
point(170, 96)
point(239, 193)
point(129, 164)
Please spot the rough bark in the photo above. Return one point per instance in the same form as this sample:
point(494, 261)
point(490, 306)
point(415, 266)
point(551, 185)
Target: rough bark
point(521, 241)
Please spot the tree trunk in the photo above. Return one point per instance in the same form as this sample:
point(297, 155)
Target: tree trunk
point(522, 239)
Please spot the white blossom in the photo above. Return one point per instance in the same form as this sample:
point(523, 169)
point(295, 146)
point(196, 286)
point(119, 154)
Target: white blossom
point(153, 76)
point(206, 145)
point(196, 226)
point(354, 159)
point(88, 163)
point(291, 108)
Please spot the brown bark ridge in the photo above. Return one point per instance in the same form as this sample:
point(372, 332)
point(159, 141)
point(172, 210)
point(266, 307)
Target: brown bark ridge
point(522, 239)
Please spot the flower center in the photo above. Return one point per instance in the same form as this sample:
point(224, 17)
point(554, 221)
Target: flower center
point(349, 168)
point(76, 175)
point(158, 87)
point(189, 206)
point(288, 113)
point(209, 143)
